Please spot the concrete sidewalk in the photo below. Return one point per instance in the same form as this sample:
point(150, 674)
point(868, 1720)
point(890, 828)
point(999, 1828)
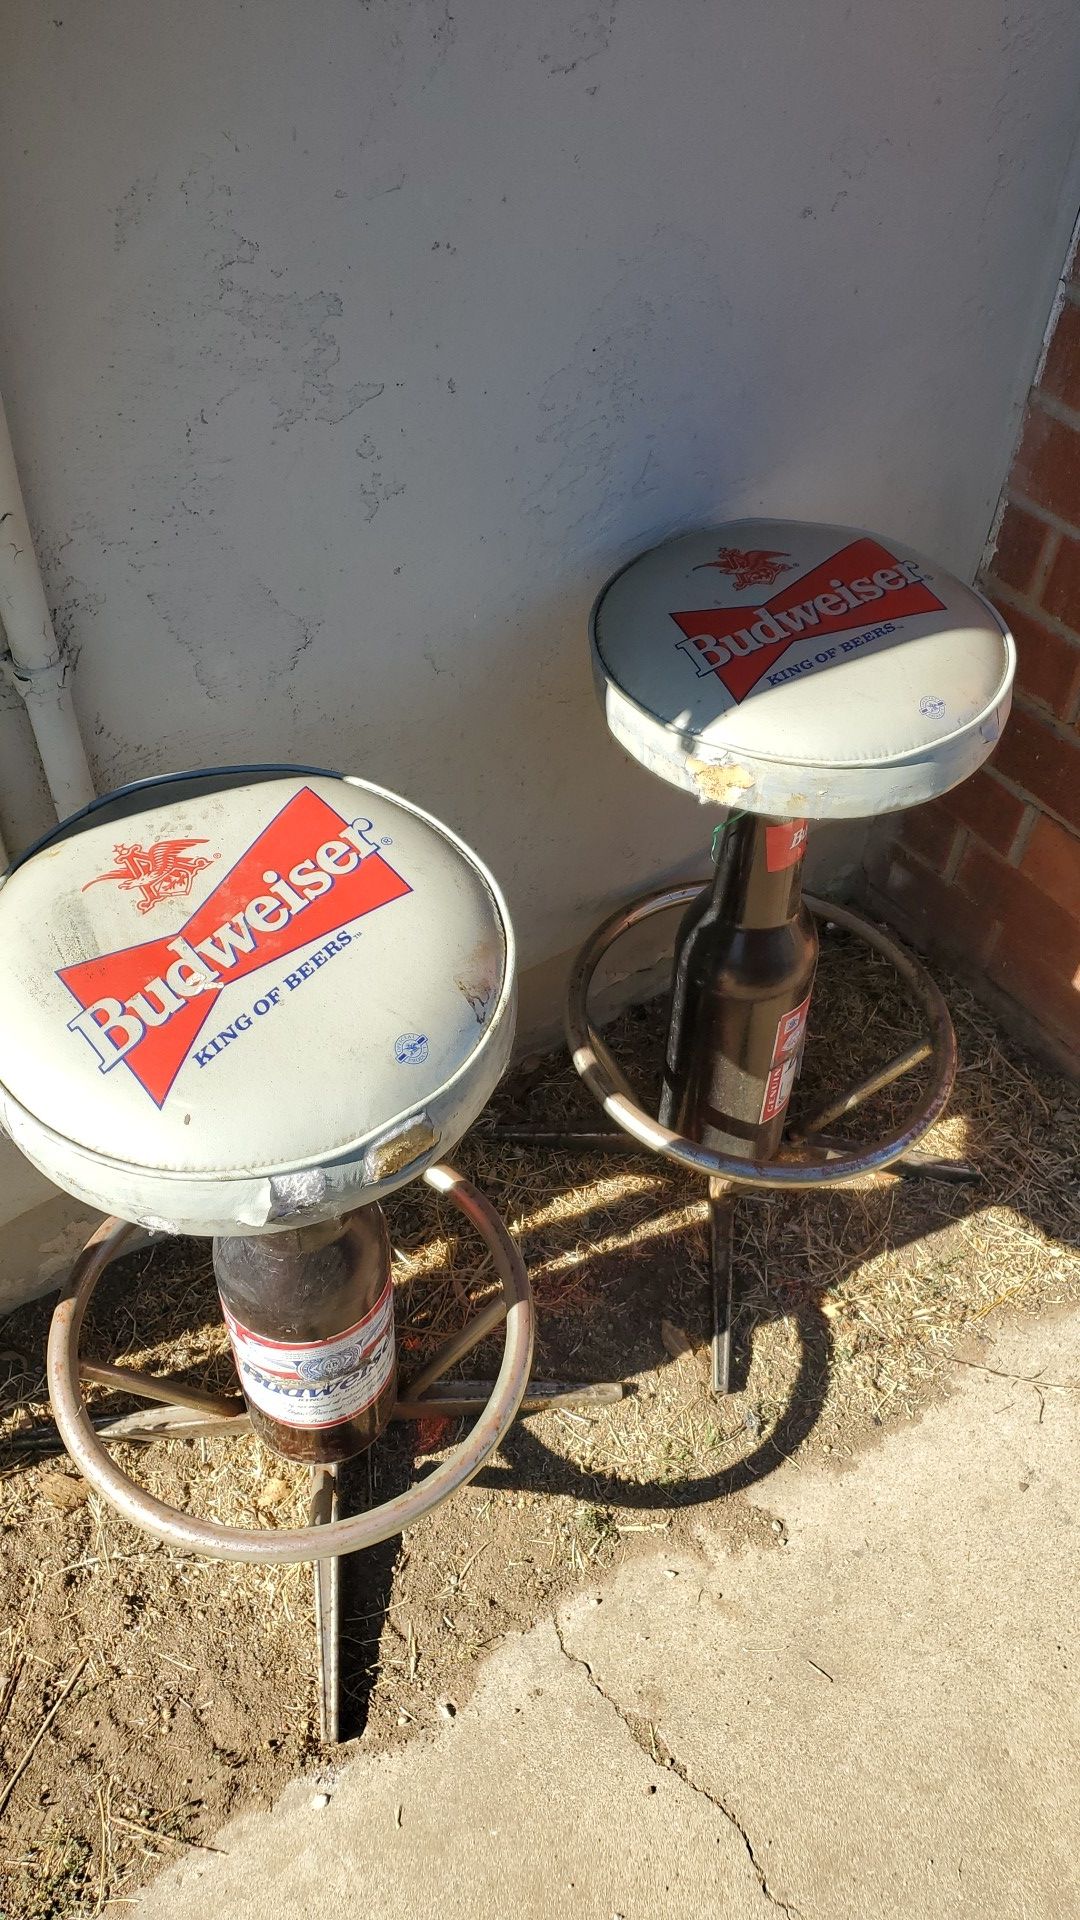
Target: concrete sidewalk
point(875, 1717)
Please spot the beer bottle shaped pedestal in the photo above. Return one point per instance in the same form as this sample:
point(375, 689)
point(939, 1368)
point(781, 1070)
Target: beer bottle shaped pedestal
point(310, 1314)
point(743, 973)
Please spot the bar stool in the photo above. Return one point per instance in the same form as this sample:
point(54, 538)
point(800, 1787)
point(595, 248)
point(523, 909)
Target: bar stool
point(790, 673)
point(246, 1003)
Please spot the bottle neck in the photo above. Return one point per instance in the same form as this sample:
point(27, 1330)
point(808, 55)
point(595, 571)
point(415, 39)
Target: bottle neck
point(758, 876)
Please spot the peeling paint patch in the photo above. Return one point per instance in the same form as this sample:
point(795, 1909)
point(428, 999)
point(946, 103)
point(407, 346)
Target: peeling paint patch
point(297, 349)
point(378, 489)
point(133, 209)
point(596, 414)
point(72, 605)
point(285, 338)
point(578, 41)
point(719, 785)
point(377, 495)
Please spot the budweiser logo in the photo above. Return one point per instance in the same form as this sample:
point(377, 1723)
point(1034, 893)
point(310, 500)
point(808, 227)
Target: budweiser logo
point(306, 875)
point(159, 872)
point(741, 644)
point(750, 566)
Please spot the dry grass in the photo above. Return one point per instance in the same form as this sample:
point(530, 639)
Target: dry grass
point(199, 1692)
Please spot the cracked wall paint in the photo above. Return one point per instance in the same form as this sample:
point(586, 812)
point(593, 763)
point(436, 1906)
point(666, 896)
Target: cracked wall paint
point(277, 343)
point(572, 43)
point(343, 366)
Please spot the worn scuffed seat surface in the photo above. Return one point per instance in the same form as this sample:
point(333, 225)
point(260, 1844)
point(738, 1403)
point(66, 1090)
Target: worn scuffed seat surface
point(246, 999)
point(800, 669)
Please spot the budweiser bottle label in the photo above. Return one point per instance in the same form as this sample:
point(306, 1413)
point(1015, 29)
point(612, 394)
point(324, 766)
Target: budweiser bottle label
point(785, 843)
point(787, 1047)
point(320, 1383)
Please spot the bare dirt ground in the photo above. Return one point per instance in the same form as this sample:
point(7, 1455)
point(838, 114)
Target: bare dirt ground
point(145, 1697)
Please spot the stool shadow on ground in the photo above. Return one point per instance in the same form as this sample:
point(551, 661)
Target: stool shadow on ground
point(367, 1579)
point(529, 1463)
point(873, 1282)
point(606, 1316)
point(850, 1303)
point(784, 1346)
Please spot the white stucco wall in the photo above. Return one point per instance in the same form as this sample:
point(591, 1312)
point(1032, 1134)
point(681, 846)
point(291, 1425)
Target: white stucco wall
point(349, 345)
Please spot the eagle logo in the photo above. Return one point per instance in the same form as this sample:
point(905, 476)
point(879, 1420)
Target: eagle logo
point(160, 872)
point(753, 567)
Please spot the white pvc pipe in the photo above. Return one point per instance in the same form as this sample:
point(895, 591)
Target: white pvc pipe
point(39, 668)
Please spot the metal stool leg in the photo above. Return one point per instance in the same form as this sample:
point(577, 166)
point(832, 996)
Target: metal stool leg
point(721, 1280)
point(322, 1512)
point(808, 1158)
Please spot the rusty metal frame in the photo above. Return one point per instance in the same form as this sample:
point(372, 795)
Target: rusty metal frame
point(809, 1157)
point(611, 1089)
point(318, 1542)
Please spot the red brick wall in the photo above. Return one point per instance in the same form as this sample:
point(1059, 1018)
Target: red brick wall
point(991, 873)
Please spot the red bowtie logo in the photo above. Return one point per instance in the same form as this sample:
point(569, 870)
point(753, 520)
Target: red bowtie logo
point(856, 587)
point(306, 876)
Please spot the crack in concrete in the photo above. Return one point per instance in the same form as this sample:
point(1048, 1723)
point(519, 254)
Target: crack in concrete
point(657, 1750)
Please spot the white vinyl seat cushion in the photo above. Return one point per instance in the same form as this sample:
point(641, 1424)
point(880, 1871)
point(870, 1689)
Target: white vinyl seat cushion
point(796, 669)
point(249, 998)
